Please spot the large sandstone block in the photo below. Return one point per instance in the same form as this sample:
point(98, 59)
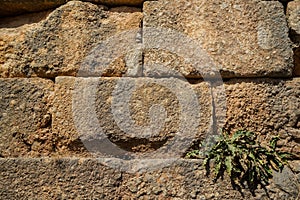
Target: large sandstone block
point(94, 179)
point(25, 118)
point(75, 39)
point(16, 7)
point(130, 117)
point(293, 13)
point(199, 38)
point(269, 107)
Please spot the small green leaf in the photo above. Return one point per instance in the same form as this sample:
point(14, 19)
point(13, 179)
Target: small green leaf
point(228, 164)
point(273, 142)
point(268, 170)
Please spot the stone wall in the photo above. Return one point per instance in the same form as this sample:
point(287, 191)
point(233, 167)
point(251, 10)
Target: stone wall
point(102, 99)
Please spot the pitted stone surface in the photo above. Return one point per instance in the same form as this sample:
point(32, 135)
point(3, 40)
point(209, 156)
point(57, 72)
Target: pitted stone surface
point(140, 115)
point(50, 47)
point(293, 13)
point(92, 178)
point(25, 117)
point(243, 38)
point(269, 107)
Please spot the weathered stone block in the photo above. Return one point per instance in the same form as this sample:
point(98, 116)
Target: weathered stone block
point(238, 38)
point(25, 119)
point(15, 7)
point(50, 47)
point(131, 116)
point(269, 107)
point(93, 178)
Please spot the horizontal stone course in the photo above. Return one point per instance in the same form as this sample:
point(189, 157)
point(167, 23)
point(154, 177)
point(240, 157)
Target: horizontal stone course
point(93, 178)
point(239, 38)
point(36, 121)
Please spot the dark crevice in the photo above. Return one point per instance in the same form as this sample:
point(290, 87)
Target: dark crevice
point(142, 41)
point(214, 114)
point(20, 20)
point(136, 144)
point(284, 3)
point(193, 81)
point(142, 65)
point(253, 79)
point(226, 79)
point(52, 79)
point(125, 9)
point(295, 38)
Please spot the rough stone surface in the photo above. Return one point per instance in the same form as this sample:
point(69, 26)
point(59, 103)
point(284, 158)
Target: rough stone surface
point(25, 119)
point(92, 178)
point(268, 107)
point(68, 141)
point(243, 38)
point(293, 14)
point(142, 115)
point(287, 181)
point(15, 7)
point(50, 47)
point(147, 122)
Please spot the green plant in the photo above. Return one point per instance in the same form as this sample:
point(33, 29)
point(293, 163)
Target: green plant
point(244, 159)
